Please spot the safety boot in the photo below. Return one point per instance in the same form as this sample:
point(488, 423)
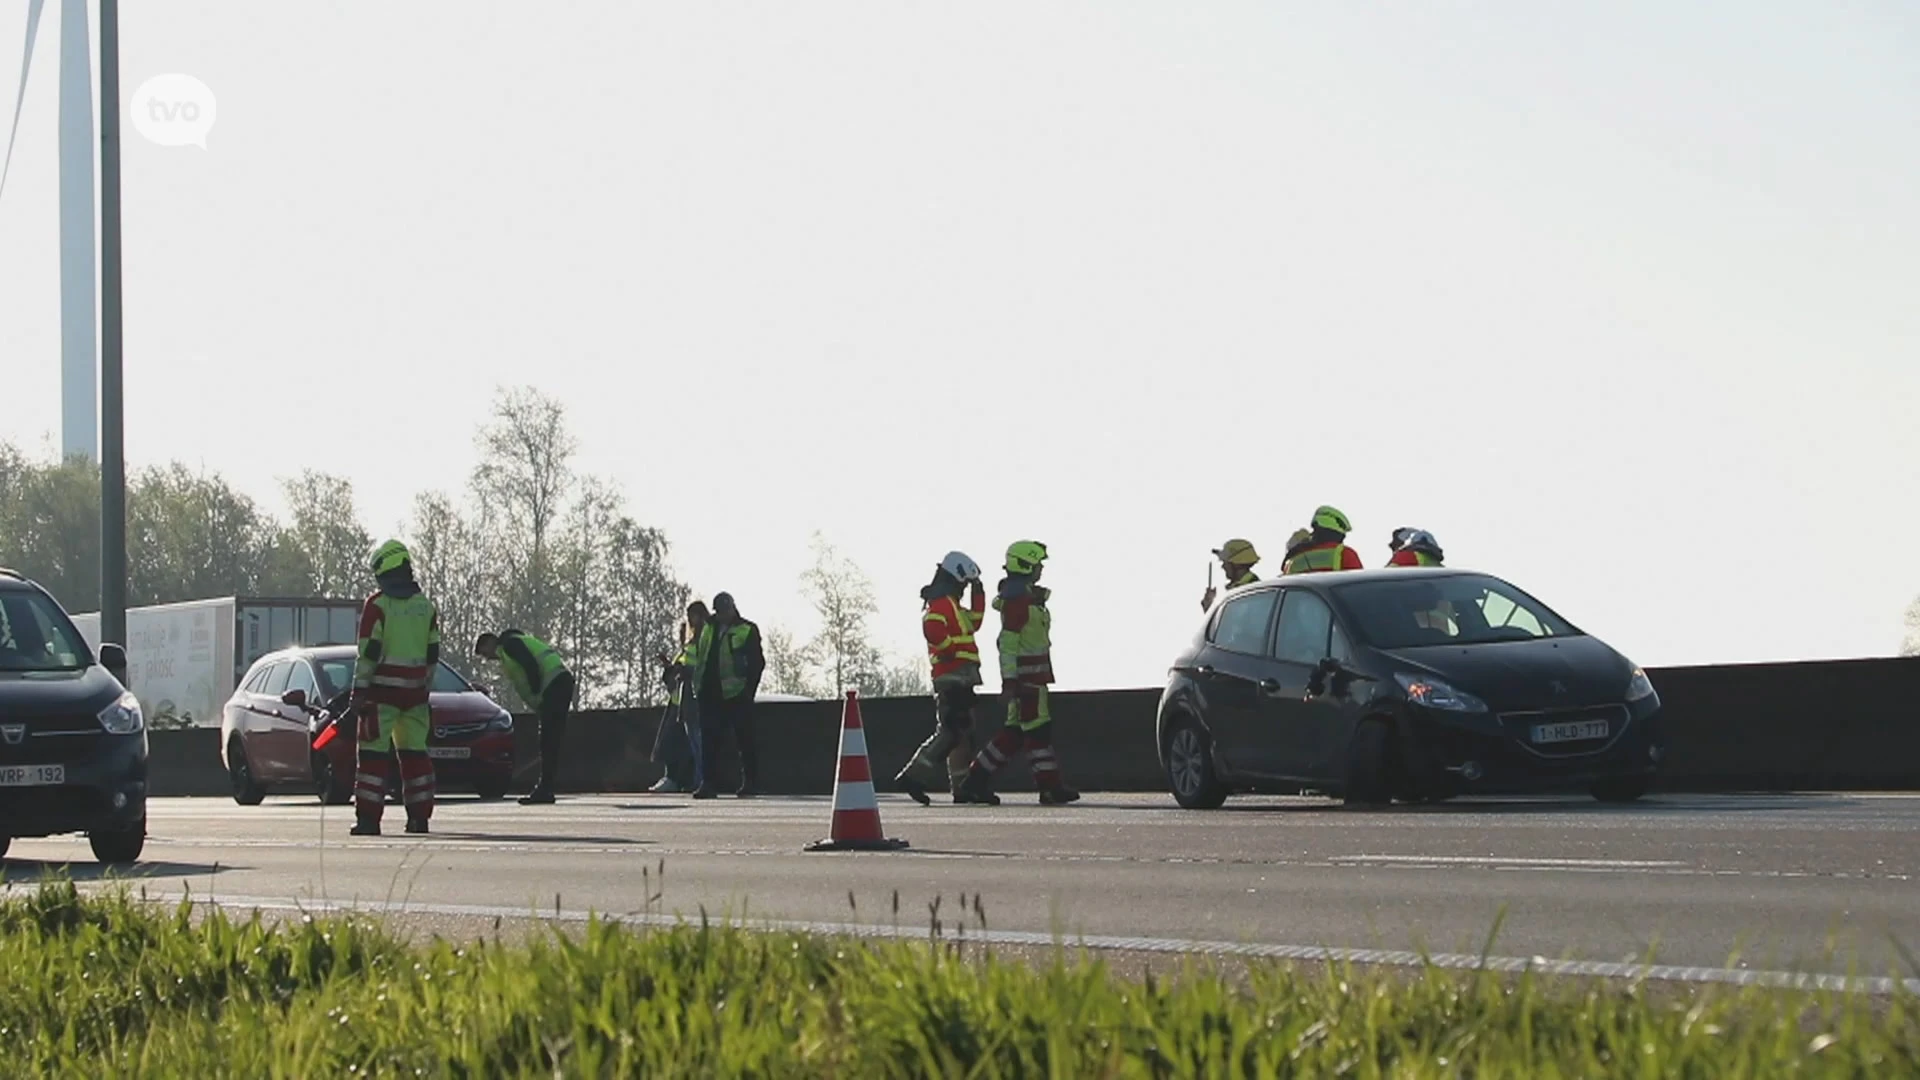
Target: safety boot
point(977, 788)
point(364, 827)
point(1058, 796)
point(915, 789)
point(417, 825)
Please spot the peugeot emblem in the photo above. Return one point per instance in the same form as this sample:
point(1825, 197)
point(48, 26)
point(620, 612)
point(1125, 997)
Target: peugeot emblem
point(1558, 686)
point(440, 733)
point(14, 733)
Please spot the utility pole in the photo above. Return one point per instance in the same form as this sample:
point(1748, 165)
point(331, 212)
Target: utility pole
point(113, 461)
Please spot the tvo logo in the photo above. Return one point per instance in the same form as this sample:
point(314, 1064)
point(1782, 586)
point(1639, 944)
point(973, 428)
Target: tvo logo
point(174, 110)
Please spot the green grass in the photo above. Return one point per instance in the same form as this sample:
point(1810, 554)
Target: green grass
point(109, 986)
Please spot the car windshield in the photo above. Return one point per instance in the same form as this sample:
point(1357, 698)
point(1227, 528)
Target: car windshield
point(1460, 609)
point(36, 636)
point(336, 675)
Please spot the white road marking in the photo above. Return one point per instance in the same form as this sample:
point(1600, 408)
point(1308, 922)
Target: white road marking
point(1505, 860)
point(1106, 942)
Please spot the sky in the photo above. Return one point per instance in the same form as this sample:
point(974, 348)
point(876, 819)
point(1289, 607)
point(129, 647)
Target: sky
point(1618, 299)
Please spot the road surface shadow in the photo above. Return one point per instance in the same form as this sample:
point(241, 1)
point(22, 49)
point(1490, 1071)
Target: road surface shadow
point(17, 871)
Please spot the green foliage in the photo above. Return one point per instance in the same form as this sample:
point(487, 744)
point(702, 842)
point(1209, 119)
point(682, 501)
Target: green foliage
point(107, 986)
point(540, 548)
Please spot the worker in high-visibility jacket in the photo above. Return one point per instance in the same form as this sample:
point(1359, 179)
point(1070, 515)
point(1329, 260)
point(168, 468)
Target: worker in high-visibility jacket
point(948, 628)
point(1414, 547)
point(676, 745)
point(727, 668)
point(1237, 559)
point(1327, 549)
point(546, 685)
point(399, 646)
point(1026, 674)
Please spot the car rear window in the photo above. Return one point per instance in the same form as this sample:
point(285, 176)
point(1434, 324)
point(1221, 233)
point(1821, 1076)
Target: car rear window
point(1463, 609)
point(336, 675)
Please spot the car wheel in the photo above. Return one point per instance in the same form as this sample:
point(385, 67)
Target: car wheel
point(329, 787)
point(493, 787)
point(1190, 772)
point(1624, 790)
point(246, 791)
point(1370, 767)
point(119, 846)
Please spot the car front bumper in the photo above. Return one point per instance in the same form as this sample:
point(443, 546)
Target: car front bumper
point(105, 790)
point(1496, 754)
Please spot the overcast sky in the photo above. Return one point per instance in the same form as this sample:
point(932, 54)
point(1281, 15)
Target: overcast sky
point(1621, 300)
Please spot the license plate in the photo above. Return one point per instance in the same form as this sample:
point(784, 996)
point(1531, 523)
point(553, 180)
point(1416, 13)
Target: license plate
point(1573, 731)
point(450, 751)
point(32, 775)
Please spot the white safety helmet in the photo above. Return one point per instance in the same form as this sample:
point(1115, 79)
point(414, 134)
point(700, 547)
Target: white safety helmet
point(960, 566)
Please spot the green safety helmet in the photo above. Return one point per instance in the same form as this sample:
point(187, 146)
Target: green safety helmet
point(1328, 518)
point(1025, 556)
point(388, 557)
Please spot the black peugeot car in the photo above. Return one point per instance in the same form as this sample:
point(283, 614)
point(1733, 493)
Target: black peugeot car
point(1414, 684)
point(73, 742)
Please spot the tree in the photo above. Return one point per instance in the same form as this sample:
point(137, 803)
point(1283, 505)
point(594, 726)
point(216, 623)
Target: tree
point(1911, 647)
point(842, 652)
point(330, 543)
point(842, 596)
point(50, 524)
point(789, 665)
point(452, 564)
point(522, 481)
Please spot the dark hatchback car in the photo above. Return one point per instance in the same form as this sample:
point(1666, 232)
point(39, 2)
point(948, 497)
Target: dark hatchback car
point(73, 742)
point(1405, 683)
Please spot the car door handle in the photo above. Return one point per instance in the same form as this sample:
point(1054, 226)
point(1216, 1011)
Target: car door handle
point(1205, 670)
point(1270, 687)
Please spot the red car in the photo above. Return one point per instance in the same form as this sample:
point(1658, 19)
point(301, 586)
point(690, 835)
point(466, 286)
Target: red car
point(269, 725)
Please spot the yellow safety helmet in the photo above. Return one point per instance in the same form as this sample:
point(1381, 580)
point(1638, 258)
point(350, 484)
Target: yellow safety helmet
point(1025, 556)
point(1237, 552)
point(1328, 518)
point(389, 556)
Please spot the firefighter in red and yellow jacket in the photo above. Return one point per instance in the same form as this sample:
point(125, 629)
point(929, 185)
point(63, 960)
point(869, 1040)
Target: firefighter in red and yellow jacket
point(1026, 673)
point(399, 647)
point(1327, 548)
point(1414, 547)
point(955, 656)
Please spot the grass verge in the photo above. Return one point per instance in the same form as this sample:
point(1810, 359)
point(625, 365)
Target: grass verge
point(98, 985)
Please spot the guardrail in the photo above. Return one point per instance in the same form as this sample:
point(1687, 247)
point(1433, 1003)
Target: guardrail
point(1812, 726)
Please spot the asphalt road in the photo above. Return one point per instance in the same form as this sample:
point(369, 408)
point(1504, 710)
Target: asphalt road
point(1819, 883)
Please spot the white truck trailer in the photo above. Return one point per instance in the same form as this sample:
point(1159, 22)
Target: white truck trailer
point(185, 659)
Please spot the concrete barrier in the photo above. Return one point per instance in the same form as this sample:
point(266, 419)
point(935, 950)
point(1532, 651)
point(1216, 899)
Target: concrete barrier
point(1829, 725)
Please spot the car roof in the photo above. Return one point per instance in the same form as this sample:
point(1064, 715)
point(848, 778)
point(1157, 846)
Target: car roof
point(1328, 579)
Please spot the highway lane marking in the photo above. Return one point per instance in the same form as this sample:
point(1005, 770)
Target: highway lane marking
point(1504, 861)
point(1880, 985)
point(648, 852)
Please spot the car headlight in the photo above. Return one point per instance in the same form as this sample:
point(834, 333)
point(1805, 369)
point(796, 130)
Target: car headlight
point(502, 721)
point(1639, 686)
point(123, 717)
point(1433, 694)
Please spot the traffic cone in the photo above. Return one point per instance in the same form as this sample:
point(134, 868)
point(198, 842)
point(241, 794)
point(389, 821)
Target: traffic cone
point(856, 812)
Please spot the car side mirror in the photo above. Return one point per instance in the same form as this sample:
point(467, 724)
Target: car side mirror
point(114, 658)
point(295, 697)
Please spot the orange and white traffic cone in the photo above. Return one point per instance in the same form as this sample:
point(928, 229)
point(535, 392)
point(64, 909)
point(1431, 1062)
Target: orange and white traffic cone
point(856, 812)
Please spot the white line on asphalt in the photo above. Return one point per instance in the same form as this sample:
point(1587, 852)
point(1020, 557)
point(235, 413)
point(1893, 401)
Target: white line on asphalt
point(1106, 942)
point(1502, 860)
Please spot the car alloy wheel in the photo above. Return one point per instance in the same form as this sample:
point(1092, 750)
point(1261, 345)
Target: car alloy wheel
point(1190, 769)
point(245, 791)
